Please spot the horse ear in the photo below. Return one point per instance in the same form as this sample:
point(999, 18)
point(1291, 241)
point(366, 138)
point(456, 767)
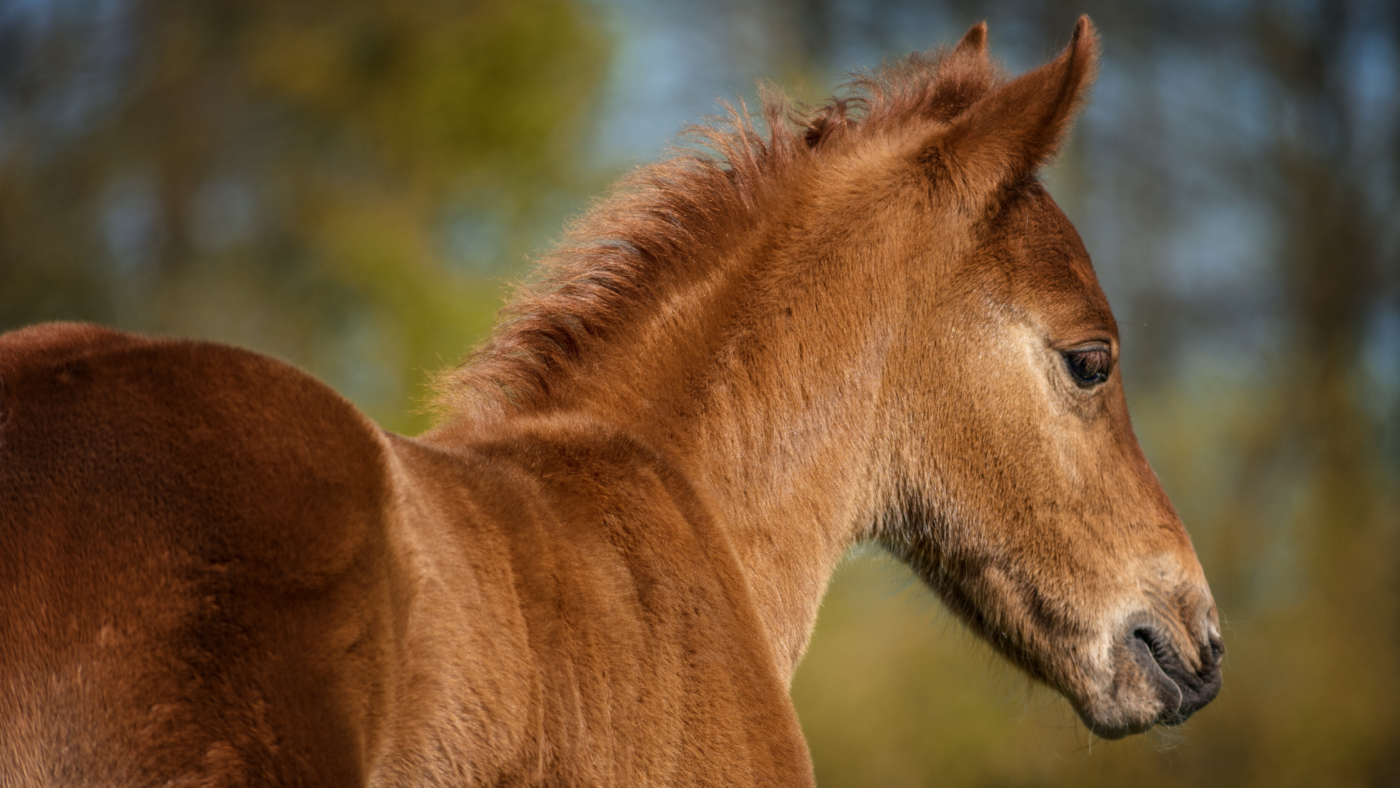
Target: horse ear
point(973, 43)
point(964, 75)
point(1007, 134)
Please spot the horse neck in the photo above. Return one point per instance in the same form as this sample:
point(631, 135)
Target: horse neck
point(764, 381)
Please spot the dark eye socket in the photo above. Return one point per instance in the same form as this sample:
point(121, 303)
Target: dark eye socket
point(1089, 366)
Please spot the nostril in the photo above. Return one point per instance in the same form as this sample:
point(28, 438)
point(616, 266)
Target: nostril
point(1149, 639)
point(1182, 680)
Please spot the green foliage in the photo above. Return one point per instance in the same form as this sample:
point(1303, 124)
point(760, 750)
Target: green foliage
point(294, 177)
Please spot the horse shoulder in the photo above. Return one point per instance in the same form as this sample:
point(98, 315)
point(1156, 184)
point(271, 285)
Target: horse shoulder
point(642, 646)
point(192, 573)
point(463, 680)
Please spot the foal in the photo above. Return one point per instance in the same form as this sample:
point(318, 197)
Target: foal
point(603, 567)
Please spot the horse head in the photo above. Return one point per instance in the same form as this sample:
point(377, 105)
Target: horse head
point(1020, 494)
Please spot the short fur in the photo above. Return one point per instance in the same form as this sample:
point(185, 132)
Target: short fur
point(603, 567)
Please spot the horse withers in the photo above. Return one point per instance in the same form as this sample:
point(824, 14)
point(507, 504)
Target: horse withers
point(870, 323)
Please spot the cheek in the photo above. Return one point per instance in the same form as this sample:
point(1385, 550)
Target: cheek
point(1016, 420)
point(1077, 446)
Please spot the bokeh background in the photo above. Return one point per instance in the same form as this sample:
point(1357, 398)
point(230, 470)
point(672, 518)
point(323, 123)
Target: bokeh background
point(350, 185)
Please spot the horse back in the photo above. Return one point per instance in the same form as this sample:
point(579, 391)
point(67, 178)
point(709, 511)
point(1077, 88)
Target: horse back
point(191, 570)
point(215, 571)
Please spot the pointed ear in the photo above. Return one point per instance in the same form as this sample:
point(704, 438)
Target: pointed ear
point(973, 43)
point(1012, 130)
point(964, 75)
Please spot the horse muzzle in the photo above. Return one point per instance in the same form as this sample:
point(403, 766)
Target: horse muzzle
point(1161, 675)
point(1182, 688)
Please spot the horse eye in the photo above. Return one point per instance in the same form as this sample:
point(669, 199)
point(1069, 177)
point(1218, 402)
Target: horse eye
point(1089, 367)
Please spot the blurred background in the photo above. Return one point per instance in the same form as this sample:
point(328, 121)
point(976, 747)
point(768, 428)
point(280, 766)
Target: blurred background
point(351, 185)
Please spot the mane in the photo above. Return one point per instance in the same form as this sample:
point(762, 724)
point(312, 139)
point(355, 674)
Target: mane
point(621, 254)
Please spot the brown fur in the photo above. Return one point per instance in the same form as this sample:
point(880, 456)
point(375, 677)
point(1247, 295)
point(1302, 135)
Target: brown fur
point(603, 567)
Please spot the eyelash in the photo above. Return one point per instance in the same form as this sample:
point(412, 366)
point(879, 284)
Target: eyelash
point(1089, 367)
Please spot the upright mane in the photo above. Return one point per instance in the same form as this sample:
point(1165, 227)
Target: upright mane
point(632, 245)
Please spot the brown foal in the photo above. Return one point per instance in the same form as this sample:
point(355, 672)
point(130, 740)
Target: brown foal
point(602, 568)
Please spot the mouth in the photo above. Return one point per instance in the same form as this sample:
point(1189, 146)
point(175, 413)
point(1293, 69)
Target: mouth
point(1155, 659)
point(1154, 685)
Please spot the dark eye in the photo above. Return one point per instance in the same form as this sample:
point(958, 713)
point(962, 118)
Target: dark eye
point(1090, 366)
